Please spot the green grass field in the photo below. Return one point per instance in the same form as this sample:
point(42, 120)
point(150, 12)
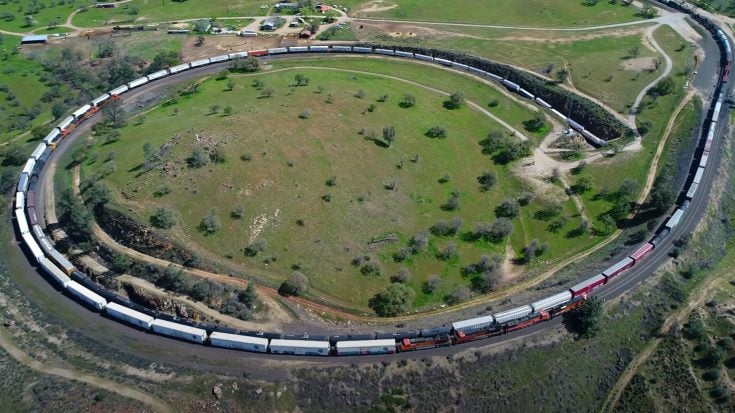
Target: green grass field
point(13, 14)
point(291, 160)
point(531, 13)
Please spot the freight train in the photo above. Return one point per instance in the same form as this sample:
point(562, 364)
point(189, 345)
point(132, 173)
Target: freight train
point(77, 285)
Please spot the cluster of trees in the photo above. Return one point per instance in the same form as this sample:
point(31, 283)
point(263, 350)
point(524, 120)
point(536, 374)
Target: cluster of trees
point(504, 149)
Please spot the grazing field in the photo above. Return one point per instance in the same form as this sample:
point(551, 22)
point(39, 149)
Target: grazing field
point(328, 198)
point(531, 13)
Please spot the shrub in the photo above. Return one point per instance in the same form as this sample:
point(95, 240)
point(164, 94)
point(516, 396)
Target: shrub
point(392, 301)
point(408, 101)
point(437, 132)
point(163, 218)
point(486, 180)
point(256, 247)
point(509, 208)
point(459, 295)
point(403, 276)
point(432, 284)
point(296, 284)
point(210, 223)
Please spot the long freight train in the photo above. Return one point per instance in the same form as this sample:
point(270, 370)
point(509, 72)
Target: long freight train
point(63, 273)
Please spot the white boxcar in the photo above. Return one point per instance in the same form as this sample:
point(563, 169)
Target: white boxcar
point(618, 267)
point(575, 125)
point(61, 261)
point(494, 77)
point(100, 99)
point(511, 85)
point(298, 49)
point(525, 93)
point(320, 49)
point(513, 314)
point(28, 167)
point(119, 90)
point(474, 324)
point(444, 62)
point(200, 62)
point(594, 139)
point(38, 152)
point(388, 52)
point(220, 58)
point(66, 122)
point(551, 302)
point(342, 48)
point(542, 103)
point(23, 183)
point(22, 221)
point(33, 247)
point(361, 347)
point(299, 347)
point(138, 82)
point(238, 342)
point(20, 200)
point(158, 75)
point(403, 54)
point(698, 175)
point(51, 137)
point(81, 111)
point(423, 57)
point(128, 315)
point(55, 273)
point(559, 114)
point(674, 220)
point(357, 49)
point(184, 332)
point(692, 190)
point(462, 66)
point(86, 295)
point(703, 161)
point(179, 68)
point(238, 55)
point(277, 50)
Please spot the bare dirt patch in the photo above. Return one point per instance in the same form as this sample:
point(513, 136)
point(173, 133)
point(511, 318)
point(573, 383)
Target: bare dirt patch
point(374, 7)
point(639, 64)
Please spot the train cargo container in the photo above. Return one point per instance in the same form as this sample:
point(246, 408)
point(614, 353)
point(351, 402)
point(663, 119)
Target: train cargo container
point(698, 175)
point(434, 331)
point(397, 335)
point(444, 62)
point(523, 92)
point(128, 315)
point(708, 145)
point(558, 114)
point(511, 85)
point(617, 268)
point(20, 218)
point(54, 272)
point(512, 314)
point(542, 103)
point(101, 99)
point(423, 57)
point(704, 159)
point(45, 155)
point(350, 337)
point(38, 152)
point(119, 90)
point(716, 112)
point(258, 53)
point(364, 347)
point(32, 216)
point(52, 137)
point(494, 77)
point(85, 295)
point(342, 49)
point(20, 200)
point(138, 82)
point(474, 324)
point(23, 183)
point(220, 58)
point(238, 55)
point(642, 252)
point(299, 347)
point(692, 190)
point(464, 337)
point(157, 75)
point(685, 204)
point(179, 68)
point(238, 342)
point(423, 343)
point(388, 52)
point(357, 49)
point(33, 247)
point(527, 321)
point(28, 167)
point(588, 285)
point(64, 125)
point(30, 199)
point(404, 54)
point(298, 49)
point(277, 50)
point(81, 111)
point(202, 62)
point(319, 49)
point(575, 125)
point(553, 301)
point(660, 236)
point(178, 330)
point(593, 138)
point(262, 334)
point(675, 219)
point(460, 66)
point(62, 262)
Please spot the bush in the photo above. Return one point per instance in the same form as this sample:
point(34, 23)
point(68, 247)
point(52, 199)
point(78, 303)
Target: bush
point(509, 208)
point(459, 295)
point(371, 268)
point(432, 284)
point(456, 100)
point(403, 276)
point(198, 158)
point(296, 284)
point(394, 300)
point(408, 101)
point(256, 247)
point(211, 223)
point(449, 252)
point(163, 218)
point(486, 180)
point(437, 132)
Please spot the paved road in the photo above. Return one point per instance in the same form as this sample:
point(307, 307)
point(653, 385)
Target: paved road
point(98, 328)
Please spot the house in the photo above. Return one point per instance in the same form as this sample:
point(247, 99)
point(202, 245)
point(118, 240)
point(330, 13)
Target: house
point(269, 25)
point(36, 39)
point(305, 34)
point(282, 6)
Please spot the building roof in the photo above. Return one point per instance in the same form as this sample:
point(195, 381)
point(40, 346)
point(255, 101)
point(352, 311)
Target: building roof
point(34, 38)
